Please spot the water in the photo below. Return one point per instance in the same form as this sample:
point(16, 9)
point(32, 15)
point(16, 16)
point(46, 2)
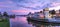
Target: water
point(22, 22)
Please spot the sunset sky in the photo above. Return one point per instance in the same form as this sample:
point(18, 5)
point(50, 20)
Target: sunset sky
point(26, 6)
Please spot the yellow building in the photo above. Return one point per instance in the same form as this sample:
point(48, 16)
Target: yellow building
point(50, 16)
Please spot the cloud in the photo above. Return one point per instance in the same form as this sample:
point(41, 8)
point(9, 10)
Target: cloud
point(39, 4)
point(54, 0)
point(54, 4)
point(23, 11)
point(29, 5)
point(8, 5)
point(33, 4)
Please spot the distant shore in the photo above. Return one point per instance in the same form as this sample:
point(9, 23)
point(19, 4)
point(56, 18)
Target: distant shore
point(21, 15)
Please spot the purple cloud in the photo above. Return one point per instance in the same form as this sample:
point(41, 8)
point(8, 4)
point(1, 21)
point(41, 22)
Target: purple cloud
point(8, 5)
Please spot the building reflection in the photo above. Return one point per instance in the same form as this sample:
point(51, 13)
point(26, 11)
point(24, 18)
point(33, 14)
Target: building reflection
point(41, 24)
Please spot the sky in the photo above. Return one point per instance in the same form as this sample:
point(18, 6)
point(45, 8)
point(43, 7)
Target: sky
point(25, 6)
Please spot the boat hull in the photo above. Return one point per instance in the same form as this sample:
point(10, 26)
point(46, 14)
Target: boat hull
point(44, 20)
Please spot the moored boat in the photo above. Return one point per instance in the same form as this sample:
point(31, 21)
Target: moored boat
point(45, 16)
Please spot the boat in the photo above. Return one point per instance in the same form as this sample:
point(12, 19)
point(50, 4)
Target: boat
point(35, 17)
point(53, 20)
point(46, 17)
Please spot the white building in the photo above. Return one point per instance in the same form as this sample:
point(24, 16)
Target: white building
point(46, 13)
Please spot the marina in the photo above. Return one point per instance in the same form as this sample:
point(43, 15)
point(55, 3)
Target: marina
point(50, 16)
point(23, 22)
point(29, 13)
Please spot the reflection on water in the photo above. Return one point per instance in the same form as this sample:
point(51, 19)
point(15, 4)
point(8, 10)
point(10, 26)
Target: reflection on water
point(42, 24)
point(23, 22)
point(19, 22)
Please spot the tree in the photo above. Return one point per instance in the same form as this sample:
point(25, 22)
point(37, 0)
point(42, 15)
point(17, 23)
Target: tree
point(5, 14)
point(52, 12)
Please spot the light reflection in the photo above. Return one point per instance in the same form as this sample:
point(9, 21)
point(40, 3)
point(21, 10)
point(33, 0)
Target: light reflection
point(41, 24)
point(23, 22)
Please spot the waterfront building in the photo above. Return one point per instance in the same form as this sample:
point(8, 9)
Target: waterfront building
point(50, 15)
point(41, 15)
point(46, 12)
point(36, 14)
point(52, 12)
point(29, 15)
point(59, 11)
point(57, 14)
